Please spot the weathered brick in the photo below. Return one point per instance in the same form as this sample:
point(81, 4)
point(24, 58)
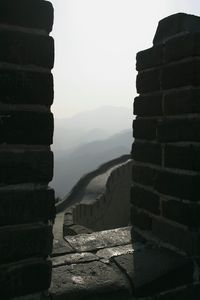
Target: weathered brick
point(144, 175)
point(147, 152)
point(25, 277)
point(148, 81)
point(175, 130)
point(26, 87)
point(140, 219)
point(145, 199)
point(178, 185)
point(182, 157)
point(24, 241)
point(181, 74)
point(144, 129)
point(25, 127)
point(180, 212)
point(26, 49)
point(150, 105)
point(182, 102)
point(179, 237)
point(27, 13)
point(148, 58)
point(26, 206)
point(175, 24)
point(28, 166)
point(188, 43)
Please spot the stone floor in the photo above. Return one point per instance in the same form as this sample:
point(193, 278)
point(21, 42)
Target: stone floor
point(109, 265)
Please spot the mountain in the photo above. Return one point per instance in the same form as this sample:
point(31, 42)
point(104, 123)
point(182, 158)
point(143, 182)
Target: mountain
point(71, 165)
point(90, 126)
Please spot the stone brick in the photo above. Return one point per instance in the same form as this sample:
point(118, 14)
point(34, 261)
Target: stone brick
point(181, 212)
point(140, 219)
point(181, 74)
point(176, 130)
point(26, 49)
point(188, 43)
point(144, 175)
point(176, 24)
point(178, 185)
point(156, 269)
point(150, 105)
point(26, 87)
point(24, 277)
point(148, 81)
point(148, 58)
point(144, 129)
point(26, 206)
point(182, 101)
point(23, 127)
point(179, 237)
point(24, 241)
point(147, 152)
point(28, 166)
point(27, 13)
point(182, 157)
point(143, 198)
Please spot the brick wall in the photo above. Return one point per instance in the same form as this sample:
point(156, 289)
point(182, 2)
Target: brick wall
point(26, 162)
point(166, 151)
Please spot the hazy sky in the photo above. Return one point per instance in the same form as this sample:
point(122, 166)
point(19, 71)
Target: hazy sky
point(96, 44)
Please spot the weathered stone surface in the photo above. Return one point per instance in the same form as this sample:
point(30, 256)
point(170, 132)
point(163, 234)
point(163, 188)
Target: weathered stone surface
point(74, 258)
point(148, 105)
point(99, 240)
point(149, 58)
point(155, 269)
point(107, 253)
point(26, 49)
point(24, 127)
point(182, 101)
point(26, 87)
point(145, 199)
point(26, 166)
point(191, 292)
point(148, 81)
point(20, 206)
point(27, 13)
point(61, 247)
point(17, 279)
point(24, 241)
point(144, 129)
point(83, 280)
point(147, 152)
point(176, 24)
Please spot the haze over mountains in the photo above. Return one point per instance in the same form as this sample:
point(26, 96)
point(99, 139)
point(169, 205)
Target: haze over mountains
point(87, 140)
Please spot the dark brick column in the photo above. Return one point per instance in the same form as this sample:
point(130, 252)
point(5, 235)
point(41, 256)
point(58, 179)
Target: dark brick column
point(26, 162)
point(166, 150)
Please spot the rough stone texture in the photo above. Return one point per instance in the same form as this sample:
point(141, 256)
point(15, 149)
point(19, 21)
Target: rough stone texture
point(27, 205)
point(174, 25)
point(78, 280)
point(165, 192)
point(155, 269)
point(20, 242)
point(17, 278)
point(19, 86)
point(34, 14)
point(25, 49)
point(99, 240)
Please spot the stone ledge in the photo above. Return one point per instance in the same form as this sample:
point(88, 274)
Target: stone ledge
point(109, 265)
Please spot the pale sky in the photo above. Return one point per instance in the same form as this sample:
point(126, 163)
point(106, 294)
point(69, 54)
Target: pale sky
point(96, 43)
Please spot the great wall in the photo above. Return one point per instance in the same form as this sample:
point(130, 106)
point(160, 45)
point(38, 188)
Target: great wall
point(157, 255)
